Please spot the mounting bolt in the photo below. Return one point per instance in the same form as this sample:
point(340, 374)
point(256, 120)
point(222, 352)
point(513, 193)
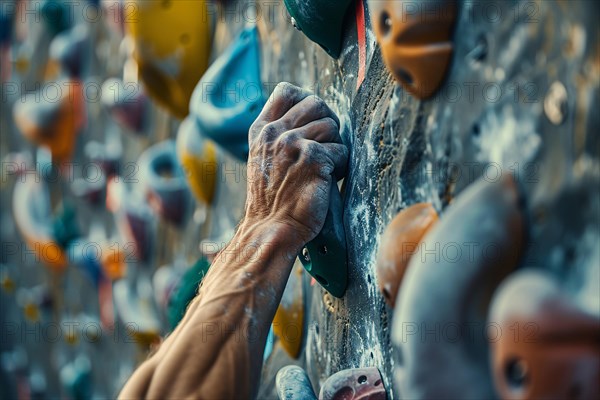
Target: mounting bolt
point(306, 255)
point(295, 24)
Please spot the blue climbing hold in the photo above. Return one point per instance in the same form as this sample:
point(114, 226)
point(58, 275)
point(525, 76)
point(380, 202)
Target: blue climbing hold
point(230, 96)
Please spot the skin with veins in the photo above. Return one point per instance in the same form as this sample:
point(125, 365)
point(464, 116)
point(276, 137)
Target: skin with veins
point(217, 349)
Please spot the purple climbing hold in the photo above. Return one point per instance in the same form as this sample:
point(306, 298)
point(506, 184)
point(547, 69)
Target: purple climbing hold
point(354, 384)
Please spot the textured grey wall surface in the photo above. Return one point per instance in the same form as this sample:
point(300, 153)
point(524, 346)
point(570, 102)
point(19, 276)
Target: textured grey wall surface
point(501, 110)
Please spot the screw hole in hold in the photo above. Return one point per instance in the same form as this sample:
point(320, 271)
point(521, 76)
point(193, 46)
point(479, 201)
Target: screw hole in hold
point(323, 250)
point(372, 355)
point(476, 130)
point(405, 76)
point(322, 281)
point(516, 373)
point(377, 382)
point(385, 23)
point(362, 379)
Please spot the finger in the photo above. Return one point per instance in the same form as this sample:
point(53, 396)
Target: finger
point(309, 109)
point(332, 157)
point(324, 130)
point(338, 154)
point(284, 97)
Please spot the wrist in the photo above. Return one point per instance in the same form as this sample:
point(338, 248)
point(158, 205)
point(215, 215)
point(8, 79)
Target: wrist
point(282, 238)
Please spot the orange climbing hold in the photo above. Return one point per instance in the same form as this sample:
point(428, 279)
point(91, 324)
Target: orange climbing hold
point(416, 41)
point(398, 243)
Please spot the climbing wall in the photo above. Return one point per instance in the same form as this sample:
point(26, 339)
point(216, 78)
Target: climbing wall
point(518, 99)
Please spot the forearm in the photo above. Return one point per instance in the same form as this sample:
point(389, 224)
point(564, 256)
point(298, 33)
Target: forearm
point(217, 350)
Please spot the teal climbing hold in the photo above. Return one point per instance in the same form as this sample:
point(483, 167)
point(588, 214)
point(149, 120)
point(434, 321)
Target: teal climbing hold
point(56, 15)
point(185, 291)
point(322, 21)
point(325, 256)
point(230, 95)
point(64, 225)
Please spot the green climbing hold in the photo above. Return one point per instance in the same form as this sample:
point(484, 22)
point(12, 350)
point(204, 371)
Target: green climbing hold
point(65, 228)
point(185, 291)
point(325, 256)
point(322, 21)
point(56, 16)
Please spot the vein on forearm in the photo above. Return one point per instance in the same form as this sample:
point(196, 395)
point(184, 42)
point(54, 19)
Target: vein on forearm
point(217, 348)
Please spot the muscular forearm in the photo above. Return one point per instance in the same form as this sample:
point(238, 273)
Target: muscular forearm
point(217, 350)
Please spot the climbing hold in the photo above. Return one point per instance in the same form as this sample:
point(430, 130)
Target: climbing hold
point(114, 15)
point(64, 225)
point(7, 280)
point(134, 218)
point(127, 104)
point(416, 41)
point(35, 302)
point(164, 281)
point(230, 95)
point(136, 309)
point(172, 59)
point(90, 190)
point(293, 383)
point(68, 49)
point(478, 241)
point(88, 262)
point(114, 262)
point(31, 208)
point(549, 344)
point(198, 158)
point(556, 104)
point(321, 21)
point(186, 290)
point(288, 323)
point(398, 243)
point(138, 226)
point(6, 24)
point(76, 378)
point(106, 156)
point(354, 384)
point(164, 182)
point(325, 256)
point(53, 122)
point(56, 16)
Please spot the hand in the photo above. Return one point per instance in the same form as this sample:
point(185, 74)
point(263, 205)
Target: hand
point(295, 152)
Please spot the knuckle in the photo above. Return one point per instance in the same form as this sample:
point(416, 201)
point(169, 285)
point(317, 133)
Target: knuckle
point(311, 152)
point(287, 140)
point(284, 87)
point(331, 124)
point(319, 104)
point(254, 130)
point(269, 132)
